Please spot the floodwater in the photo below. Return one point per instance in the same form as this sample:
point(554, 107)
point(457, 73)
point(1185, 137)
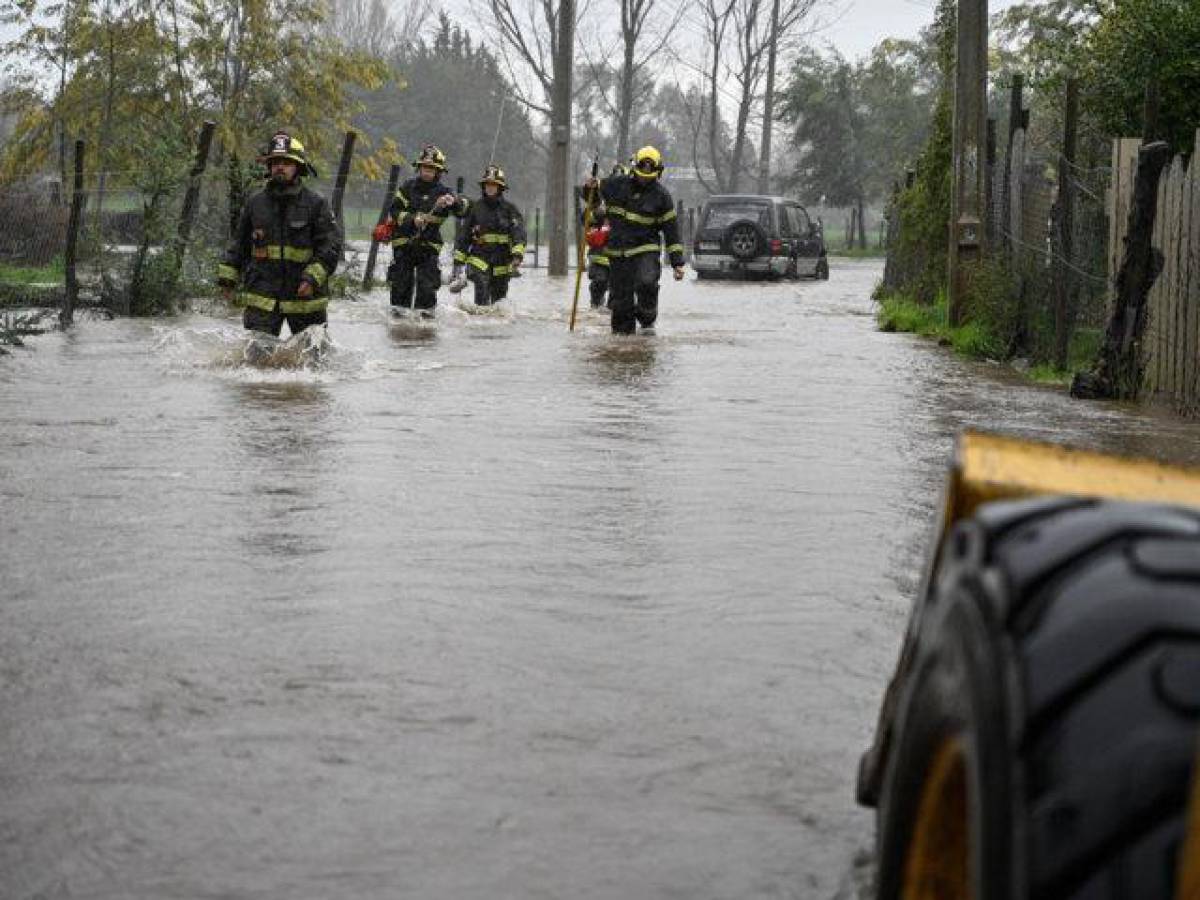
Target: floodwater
point(490, 610)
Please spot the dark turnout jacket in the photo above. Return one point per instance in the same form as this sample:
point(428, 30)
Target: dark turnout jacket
point(492, 236)
point(415, 197)
point(638, 213)
point(285, 235)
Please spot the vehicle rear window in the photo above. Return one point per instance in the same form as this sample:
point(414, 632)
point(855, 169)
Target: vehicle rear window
point(722, 215)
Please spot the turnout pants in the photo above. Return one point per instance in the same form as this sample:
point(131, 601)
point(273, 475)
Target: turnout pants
point(597, 283)
point(417, 271)
point(633, 291)
point(489, 288)
point(257, 319)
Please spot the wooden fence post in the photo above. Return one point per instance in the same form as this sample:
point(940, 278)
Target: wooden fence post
point(537, 233)
point(191, 199)
point(343, 172)
point(989, 186)
point(1064, 312)
point(393, 181)
point(1118, 370)
point(1015, 124)
point(70, 258)
point(459, 185)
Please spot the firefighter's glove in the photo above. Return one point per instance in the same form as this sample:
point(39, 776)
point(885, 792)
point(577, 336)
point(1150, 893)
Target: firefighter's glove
point(383, 231)
point(307, 286)
point(445, 200)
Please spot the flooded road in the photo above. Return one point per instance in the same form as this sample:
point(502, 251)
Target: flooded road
point(485, 611)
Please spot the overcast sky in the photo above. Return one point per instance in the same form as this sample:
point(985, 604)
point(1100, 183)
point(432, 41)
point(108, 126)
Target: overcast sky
point(855, 26)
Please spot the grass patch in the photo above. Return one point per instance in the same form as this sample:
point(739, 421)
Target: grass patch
point(900, 313)
point(974, 339)
point(856, 253)
point(978, 339)
point(53, 273)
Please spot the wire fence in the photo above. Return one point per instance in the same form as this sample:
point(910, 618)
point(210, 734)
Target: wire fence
point(1048, 235)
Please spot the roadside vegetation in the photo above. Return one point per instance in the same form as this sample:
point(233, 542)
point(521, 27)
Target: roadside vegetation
point(1007, 311)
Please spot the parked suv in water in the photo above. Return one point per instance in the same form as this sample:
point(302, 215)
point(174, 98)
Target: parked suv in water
point(743, 235)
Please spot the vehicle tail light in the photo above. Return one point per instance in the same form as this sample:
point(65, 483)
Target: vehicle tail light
point(776, 246)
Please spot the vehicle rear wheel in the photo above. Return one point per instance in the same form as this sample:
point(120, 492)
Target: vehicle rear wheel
point(823, 269)
point(1047, 732)
point(744, 240)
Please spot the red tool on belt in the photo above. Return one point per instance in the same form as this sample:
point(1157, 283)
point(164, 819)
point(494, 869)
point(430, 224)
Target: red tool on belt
point(597, 237)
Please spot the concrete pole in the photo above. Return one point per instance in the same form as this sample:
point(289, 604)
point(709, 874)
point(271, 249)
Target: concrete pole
point(560, 137)
point(970, 126)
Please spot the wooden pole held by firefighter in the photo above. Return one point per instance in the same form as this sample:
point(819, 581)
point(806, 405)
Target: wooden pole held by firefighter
point(587, 221)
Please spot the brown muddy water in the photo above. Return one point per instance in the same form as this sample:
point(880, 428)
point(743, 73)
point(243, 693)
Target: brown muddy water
point(486, 611)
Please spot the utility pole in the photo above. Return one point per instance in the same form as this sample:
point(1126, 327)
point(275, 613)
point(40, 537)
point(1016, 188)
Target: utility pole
point(560, 136)
point(970, 124)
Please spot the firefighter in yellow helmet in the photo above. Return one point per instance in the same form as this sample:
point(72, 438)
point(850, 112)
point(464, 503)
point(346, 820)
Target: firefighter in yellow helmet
point(642, 218)
point(285, 248)
point(491, 243)
point(414, 226)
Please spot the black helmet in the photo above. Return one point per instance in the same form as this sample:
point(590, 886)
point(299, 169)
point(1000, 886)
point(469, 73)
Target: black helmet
point(283, 146)
point(493, 174)
point(431, 156)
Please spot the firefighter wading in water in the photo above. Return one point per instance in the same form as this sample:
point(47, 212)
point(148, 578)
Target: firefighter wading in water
point(597, 257)
point(414, 225)
point(286, 246)
point(492, 241)
point(639, 210)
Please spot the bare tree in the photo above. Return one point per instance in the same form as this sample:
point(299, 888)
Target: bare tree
point(760, 31)
point(640, 41)
point(718, 16)
point(537, 47)
point(373, 27)
point(742, 39)
point(764, 146)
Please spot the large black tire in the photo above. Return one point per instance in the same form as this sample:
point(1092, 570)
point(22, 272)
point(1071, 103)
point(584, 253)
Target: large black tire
point(1045, 734)
point(744, 240)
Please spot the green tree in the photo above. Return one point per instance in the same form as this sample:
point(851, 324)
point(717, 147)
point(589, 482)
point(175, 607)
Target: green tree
point(856, 126)
point(1133, 43)
point(136, 68)
point(457, 98)
point(923, 208)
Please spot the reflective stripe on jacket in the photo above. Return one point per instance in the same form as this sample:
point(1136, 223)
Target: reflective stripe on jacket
point(642, 217)
point(492, 236)
point(417, 197)
point(284, 236)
